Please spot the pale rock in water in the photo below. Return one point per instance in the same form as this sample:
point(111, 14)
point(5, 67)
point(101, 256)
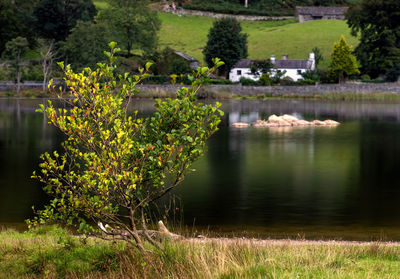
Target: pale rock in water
point(285, 121)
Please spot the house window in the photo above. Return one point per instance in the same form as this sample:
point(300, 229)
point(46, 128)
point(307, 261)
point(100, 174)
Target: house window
point(239, 72)
point(299, 72)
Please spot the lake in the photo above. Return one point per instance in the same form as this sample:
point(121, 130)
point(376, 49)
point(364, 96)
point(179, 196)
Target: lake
point(304, 182)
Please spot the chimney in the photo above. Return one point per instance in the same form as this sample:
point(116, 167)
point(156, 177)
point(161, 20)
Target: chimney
point(285, 57)
point(272, 59)
point(311, 61)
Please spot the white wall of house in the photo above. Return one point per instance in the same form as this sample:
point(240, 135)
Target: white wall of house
point(237, 73)
point(294, 74)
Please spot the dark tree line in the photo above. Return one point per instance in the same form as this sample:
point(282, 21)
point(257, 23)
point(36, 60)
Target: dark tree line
point(74, 31)
point(377, 23)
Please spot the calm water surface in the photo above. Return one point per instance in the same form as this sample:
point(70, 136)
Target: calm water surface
point(312, 182)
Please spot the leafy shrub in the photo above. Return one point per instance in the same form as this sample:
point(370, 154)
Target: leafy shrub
point(265, 80)
point(115, 165)
point(248, 82)
point(220, 81)
point(157, 79)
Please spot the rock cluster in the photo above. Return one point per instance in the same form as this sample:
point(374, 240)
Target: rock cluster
point(285, 121)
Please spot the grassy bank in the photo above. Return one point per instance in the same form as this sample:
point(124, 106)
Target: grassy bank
point(53, 253)
point(334, 96)
point(222, 94)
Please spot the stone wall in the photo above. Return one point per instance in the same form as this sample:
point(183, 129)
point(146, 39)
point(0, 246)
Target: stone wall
point(180, 11)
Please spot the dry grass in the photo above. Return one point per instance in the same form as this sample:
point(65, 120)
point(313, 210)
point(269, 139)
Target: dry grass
point(54, 253)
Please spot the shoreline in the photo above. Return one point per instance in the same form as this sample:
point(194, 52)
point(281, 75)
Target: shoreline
point(51, 252)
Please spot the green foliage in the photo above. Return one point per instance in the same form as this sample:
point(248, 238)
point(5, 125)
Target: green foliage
point(312, 76)
point(226, 42)
point(15, 19)
point(259, 67)
point(377, 25)
point(14, 52)
point(54, 19)
point(86, 44)
point(343, 63)
point(247, 82)
point(132, 24)
point(169, 62)
point(393, 74)
point(318, 55)
point(116, 164)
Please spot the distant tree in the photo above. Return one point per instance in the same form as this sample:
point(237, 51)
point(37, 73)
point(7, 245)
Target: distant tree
point(168, 62)
point(260, 67)
point(86, 44)
point(226, 42)
point(318, 55)
point(343, 63)
point(377, 24)
point(133, 24)
point(54, 19)
point(47, 53)
point(15, 19)
point(393, 74)
point(15, 50)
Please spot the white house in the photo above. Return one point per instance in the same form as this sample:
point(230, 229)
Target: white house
point(291, 68)
point(242, 70)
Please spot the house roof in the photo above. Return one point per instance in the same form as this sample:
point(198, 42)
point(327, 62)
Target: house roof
point(291, 64)
point(279, 64)
point(243, 63)
point(321, 11)
point(185, 56)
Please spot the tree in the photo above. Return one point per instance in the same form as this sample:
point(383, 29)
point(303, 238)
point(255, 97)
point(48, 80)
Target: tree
point(343, 63)
point(133, 24)
point(15, 50)
point(318, 55)
point(226, 42)
point(15, 19)
point(85, 46)
point(54, 19)
point(261, 67)
point(47, 52)
point(116, 163)
point(377, 24)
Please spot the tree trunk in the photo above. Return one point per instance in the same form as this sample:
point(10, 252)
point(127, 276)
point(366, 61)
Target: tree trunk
point(18, 81)
point(245, 3)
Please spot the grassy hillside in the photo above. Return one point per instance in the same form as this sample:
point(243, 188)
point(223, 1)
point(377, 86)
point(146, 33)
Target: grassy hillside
point(189, 34)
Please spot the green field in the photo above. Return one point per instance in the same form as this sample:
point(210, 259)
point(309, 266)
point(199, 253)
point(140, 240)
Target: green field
point(189, 34)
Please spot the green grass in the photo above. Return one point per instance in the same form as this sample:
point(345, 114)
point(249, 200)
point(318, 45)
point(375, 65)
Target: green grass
point(51, 252)
point(189, 34)
point(100, 4)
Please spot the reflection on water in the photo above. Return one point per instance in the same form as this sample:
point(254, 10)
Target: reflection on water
point(340, 182)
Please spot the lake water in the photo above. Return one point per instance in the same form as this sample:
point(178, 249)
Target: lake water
point(311, 182)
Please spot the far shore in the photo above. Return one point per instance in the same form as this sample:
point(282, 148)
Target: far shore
point(348, 92)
